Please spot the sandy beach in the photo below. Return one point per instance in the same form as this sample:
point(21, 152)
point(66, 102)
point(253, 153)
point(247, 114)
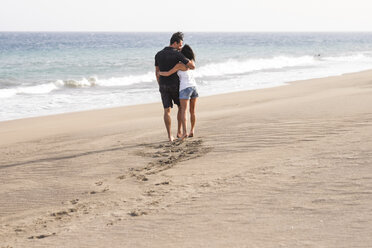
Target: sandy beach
point(281, 167)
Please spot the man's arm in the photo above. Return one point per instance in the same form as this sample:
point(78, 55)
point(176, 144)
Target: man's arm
point(157, 70)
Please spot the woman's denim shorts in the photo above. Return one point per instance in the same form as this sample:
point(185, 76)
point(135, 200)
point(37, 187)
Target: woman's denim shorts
point(189, 92)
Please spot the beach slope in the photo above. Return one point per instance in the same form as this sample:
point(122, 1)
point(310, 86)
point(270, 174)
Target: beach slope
point(282, 167)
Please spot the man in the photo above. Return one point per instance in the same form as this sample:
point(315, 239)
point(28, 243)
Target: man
point(165, 60)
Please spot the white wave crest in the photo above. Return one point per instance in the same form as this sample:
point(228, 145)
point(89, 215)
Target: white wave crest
point(128, 80)
point(108, 82)
point(84, 82)
point(37, 89)
point(232, 67)
point(359, 57)
point(360, 61)
point(5, 93)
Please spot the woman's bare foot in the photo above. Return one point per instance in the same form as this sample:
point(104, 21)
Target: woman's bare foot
point(184, 136)
point(171, 139)
point(191, 135)
point(179, 135)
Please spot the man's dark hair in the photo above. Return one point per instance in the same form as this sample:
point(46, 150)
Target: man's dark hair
point(176, 37)
point(188, 52)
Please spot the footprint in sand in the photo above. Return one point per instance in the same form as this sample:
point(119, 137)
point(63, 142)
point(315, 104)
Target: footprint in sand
point(99, 183)
point(150, 192)
point(42, 236)
point(93, 192)
point(171, 153)
point(121, 177)
point(136, 213)
point(59, 215)
point(162, 183)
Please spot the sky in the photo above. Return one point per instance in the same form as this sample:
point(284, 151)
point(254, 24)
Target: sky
point(186, 16)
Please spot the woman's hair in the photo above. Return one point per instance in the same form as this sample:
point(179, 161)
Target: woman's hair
point(188, 52)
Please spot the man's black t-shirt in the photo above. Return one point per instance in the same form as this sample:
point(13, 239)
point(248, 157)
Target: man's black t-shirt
point(166, 59)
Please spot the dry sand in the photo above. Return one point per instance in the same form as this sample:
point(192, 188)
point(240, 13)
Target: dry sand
point(283, 167)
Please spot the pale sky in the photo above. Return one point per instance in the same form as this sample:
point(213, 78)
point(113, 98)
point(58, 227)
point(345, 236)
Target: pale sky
point(187, 16)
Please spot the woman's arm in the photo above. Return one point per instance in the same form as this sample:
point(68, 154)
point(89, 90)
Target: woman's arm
point(177, 67)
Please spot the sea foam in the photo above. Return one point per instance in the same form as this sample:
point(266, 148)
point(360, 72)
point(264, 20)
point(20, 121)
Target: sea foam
point(231, 66)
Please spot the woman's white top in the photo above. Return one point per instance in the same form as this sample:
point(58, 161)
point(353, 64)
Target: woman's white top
point(186, 79)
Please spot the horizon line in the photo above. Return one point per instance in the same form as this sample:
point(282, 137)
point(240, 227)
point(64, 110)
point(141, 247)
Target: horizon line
point(188, 31)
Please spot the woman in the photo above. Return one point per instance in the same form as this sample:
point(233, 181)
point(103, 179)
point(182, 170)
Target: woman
point(188, 92)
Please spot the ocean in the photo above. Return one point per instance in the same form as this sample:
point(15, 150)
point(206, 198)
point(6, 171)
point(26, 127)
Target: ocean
point(50, 73)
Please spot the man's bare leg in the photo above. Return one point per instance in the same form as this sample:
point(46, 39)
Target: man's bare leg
point(184, 104)
point(192, 116)
point(168, 123)
point(179, 124)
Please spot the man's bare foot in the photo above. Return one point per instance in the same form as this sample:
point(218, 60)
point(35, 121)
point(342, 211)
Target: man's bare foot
point(179, 135)
point(171, 139)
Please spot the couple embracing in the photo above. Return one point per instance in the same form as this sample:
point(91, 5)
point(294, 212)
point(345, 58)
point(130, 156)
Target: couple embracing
point(173, 68)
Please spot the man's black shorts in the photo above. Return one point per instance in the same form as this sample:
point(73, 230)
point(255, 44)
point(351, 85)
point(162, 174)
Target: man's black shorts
point(169, 95)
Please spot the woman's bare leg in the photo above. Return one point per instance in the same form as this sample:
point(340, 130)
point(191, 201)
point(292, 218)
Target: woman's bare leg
point(192, 116)
point(184, 103)
point(179, 122)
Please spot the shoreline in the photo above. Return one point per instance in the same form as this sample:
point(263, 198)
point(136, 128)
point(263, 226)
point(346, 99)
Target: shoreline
point(270, 166)
point(159, 102)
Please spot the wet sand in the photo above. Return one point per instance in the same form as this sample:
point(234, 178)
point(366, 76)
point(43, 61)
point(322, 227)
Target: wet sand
point(281, 167)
